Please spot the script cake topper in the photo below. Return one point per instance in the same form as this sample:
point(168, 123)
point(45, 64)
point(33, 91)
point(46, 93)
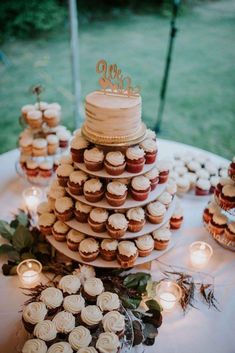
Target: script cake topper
point(112, 80)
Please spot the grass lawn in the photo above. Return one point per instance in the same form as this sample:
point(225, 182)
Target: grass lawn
point(200, 107)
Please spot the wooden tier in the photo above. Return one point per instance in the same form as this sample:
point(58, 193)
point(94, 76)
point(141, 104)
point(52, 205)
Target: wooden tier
point(147, 229)
point(103, 174)
point(129, 203)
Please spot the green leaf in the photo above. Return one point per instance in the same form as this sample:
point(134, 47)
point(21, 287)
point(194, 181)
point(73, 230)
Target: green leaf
point(22, 238)
point(152, 304)
point(6, 231)
point(14, 256)
point(5, 248)
point(138, 281)
point(130, 303)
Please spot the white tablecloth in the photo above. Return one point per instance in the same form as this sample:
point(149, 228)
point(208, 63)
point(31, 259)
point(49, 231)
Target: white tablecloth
point(203, 330)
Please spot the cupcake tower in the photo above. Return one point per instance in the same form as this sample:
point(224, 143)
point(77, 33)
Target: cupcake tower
point(42, 142)
point(219, 214)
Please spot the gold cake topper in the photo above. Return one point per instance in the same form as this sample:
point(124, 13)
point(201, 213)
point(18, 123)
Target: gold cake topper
point(112, 81)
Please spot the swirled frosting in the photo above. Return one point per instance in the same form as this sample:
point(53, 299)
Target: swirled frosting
point(80, 337)
point(85, 272)
point(92, 185)
point(93, 286)
point(150, 134)
point(99, 215)
point(79, 142)
point(60, 347)
point(156, 208)
point(63, 204)
point(52, 297)
point(152, 174)
point(136, 214)
point(134, 153)
point(108, 342)
point(145, 242)
point(78, 177)
point(108, 301)
point(94, 155)
point(91, 315)
point(64, 322)
point(109, 244)
point(34, 345)
point(74, 303)
point(149, 145)
point(113, 322)
point(116, 188)
point(45, 330)
point(70, 284)
point(118, 221)
point(140, 183)
point(115, 158)
point(165, 198)
point(127, 248)
point(82, 207)
point(87, 350)
point(89, 245)
point(34, 312)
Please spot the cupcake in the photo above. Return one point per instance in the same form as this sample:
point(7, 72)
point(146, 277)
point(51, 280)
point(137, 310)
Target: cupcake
point(91, 316)
point(52, 298)
point(213, 181)
point(108, 249)
point(93, 159)
point(92, 288)
point(45, 222)
point(161, 238)
point(136, 219)
point(150, 134)
point(46, 331)
point(192, 178)
point(26, 145)
point(97, 219)
point(165, 198)
point(114, 322)
point(217, 224)
point(153, 176)
point(108, 342)
point(145, 245)
point(176, 218)
point(230, 232)
point(89, 249)
point(114, 163)
point(93, 190)
point(140, 188)
point(181, 170)
point(60, 231)
point(209, 211)
point(202, 174)
point(42, 106)
point(171, 187)
point(35, 345)
point(150, 148)
point(52, 144)
point(116, 193)
point(78, 146)
point(87, 350)
point(44, 207)
point(23, 160)
point(55, 106)
point(66, 159)
point(64, 208)
point(64, 137)
point(183, 185)
point(155, 212)
point(32, 314)
point(74, 303)
point(45, 169)
point(193, 166)
point(231, 169)
point(34, 119)
point(211, 168)
point(222, 182)
point(81, 212)
point(69, 284)
point(25, 109)
point(64, 322)
point(31, 168)
point(76, 182)
point(127, 253)
point(202, 187)
point(39, 147)
point(108, 301)
point(117, 225)
point(55, 193)
point(63, 172)
point(163, 170)
point(79, 337)
point(135, 159)
point(51, 117)
point(74, 238)
point(60, 347)
point(227, 197)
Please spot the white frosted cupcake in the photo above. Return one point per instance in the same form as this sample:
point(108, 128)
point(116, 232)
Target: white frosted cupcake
point(34, 119)
point(34, 345)
point(32, 314)
point(202, 187)
point(93, 190)
point(140, 188)
point(114, 163)
point(91, 316)
point(45, 222)
point(63, 172)
point(70, 284)
point(165, 198)
point(60, 347)
point(183, 185)
point(79, 337)
point(136, 219)
point(127, 253)
point(64, 208)
point(108, 301)
point(108, 342)
point(150, 148)
point(114, 322)
point(46, 331)
point(39, 146)
point(74, 303)
point(117, 225)
point(97, 219)
point(74, 238)
point(60, 231)
point(52, 144)
point(135, 159)
point(161, 238)
point(153, 176)
point(89, 249)
point(64, 322)
point(52, 298)
point(76, 182)
point(155, 212)
point(145, 245)
point(78, 147)
point(116, 193)
point(82, 211)
point(108, 249)
point(92, 288)
point(93, 159)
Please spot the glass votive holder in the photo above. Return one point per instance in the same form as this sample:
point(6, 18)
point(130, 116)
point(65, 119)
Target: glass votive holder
point(200, 254)
point(32, 197)
point(168, 294)
point(29, 272)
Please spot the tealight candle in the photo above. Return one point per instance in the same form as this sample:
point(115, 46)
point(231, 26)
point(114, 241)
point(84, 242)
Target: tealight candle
point(168, 294)
point(29, 272)
point(200, 254)
point(32, 197)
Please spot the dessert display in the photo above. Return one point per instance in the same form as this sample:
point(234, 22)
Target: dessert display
point(75, 317)
point(42, 142)
point(218, 215)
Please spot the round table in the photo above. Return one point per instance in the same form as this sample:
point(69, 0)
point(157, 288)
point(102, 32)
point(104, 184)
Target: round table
point(202, 330)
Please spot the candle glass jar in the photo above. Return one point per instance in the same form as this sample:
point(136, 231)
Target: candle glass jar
point(29, 272)
point(32, 197)
point(168, 294)
point(200, 254)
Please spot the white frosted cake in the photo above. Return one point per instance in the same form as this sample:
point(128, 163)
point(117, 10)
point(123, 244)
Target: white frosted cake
point(113, 118)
